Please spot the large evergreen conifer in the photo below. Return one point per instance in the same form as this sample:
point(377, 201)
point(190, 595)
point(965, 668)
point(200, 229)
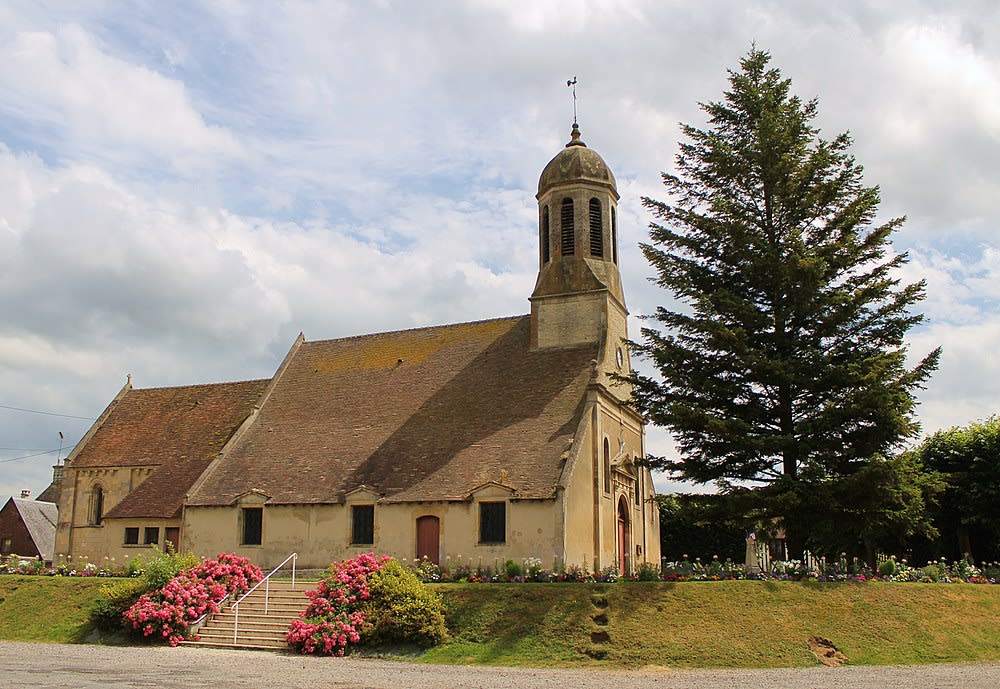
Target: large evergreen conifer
point(785, 365)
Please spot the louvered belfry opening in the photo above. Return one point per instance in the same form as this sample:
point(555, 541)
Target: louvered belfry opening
point(596, 231)
point(546, 250)
point(614, 236)
point(566, 225)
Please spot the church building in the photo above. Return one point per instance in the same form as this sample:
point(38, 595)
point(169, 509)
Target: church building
point(485, 441)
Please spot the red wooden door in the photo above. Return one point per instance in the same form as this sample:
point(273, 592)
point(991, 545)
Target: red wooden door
point(429, 539)
point(173, 534)
point(623, 537)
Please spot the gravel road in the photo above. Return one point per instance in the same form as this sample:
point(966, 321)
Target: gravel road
point(50, 666)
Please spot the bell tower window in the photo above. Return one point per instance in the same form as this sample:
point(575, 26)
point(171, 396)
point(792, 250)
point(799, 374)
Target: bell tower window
point(546, 248)
point(596, 231)
point(566, 225)
point(614, 236)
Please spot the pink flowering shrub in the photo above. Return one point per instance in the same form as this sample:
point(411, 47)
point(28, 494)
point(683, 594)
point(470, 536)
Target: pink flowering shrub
point(169, 612)
point(334, 618)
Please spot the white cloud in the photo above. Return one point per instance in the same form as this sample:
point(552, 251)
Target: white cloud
point(102, 105)
point(185, 187)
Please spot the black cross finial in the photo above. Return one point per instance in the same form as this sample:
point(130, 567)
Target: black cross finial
point(572, 83)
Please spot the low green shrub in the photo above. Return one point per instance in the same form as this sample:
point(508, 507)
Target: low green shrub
point(887, 568)
point(115, 599)
point(162, 566)
point(647, 571)
point(400, 609)
point(156, 571)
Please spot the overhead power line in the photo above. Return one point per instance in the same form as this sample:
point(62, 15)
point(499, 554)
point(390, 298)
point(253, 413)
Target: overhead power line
point(37, 454)
point(47, 413)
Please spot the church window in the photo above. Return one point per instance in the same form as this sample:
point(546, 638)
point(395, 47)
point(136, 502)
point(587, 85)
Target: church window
point(492, 522)
point(96, 511)
point(614, 236)
point(546, 247)
point(151, 535)
point(253, 523)
point(131, 535)
point(607, 466)
point(362, 524)
point(596, 229)
point(566, 224)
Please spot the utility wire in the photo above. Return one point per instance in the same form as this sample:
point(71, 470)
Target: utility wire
point(47, 413)
point(37, 454)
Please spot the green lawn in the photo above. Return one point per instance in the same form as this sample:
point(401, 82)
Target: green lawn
point(718, 624)
point(51, 609)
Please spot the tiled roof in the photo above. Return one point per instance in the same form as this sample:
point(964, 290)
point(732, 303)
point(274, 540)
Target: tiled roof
point(426, 414)
point(179, 430)
point(40, 519)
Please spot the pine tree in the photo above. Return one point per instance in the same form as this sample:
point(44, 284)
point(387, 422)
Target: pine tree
point(785, 364)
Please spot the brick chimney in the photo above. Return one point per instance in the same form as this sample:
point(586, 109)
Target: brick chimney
point(25, 494)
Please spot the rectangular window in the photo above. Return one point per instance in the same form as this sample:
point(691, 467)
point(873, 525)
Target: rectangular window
point(6, 545)
point(492, 522)
point(253, 521)
point(363, 524)
point(151, 535)
point(131, 535)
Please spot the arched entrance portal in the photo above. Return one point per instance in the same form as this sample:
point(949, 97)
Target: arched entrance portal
point(624, 536)
point(429, 539)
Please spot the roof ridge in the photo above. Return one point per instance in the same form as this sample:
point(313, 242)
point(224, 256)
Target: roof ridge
point(203, 385)
point(419, 328)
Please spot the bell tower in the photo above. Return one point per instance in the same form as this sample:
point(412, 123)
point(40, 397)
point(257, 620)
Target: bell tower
point(578, 295)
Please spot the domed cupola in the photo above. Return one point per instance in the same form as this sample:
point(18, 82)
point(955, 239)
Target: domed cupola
point(578, 291)
point(576, 163)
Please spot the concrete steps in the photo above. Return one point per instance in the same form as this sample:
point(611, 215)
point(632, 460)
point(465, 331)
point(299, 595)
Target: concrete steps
point(264, 617)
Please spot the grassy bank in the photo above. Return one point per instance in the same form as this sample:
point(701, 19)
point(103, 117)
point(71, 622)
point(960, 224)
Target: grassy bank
point(53, 609)
point(721, 624)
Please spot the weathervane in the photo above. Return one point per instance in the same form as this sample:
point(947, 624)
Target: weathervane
point(572, 83)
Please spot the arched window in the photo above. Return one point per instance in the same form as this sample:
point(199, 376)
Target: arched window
point(566, 225)
point(596, 231)
point(96, 515)
point(607, 466)
point(614, 236)
point(546, 250)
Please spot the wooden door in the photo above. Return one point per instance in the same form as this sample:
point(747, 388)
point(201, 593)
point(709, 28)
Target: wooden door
point(429, 539)
point(624, 544)
point(173, 534)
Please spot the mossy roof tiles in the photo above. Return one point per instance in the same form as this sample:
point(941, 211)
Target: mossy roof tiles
point(425, 414)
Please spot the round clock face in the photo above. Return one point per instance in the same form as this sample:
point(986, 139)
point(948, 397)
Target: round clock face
point(621, 357)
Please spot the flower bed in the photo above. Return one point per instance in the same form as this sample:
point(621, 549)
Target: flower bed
point(333, 618)
point(368, 599)
point(530, 570)
point(169, 612)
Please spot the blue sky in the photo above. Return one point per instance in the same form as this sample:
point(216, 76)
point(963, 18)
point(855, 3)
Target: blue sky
point(184, 187)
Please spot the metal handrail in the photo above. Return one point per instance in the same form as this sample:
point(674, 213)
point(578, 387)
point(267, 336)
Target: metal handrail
point(267, 592)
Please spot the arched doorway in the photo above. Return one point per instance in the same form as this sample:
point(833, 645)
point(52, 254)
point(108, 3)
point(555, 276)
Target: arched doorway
point(429, 538)
point(624, 536)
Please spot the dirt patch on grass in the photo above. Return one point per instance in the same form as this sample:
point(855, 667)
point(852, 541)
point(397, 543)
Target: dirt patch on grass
point(826, 652)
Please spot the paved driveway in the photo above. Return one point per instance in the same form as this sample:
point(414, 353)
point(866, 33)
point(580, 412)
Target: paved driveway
point(48, 666)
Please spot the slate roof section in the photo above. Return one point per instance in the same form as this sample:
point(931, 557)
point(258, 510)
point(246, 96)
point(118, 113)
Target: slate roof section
point(425, 414)
point(179, 430)
point(50, 494)
point(40, 519)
